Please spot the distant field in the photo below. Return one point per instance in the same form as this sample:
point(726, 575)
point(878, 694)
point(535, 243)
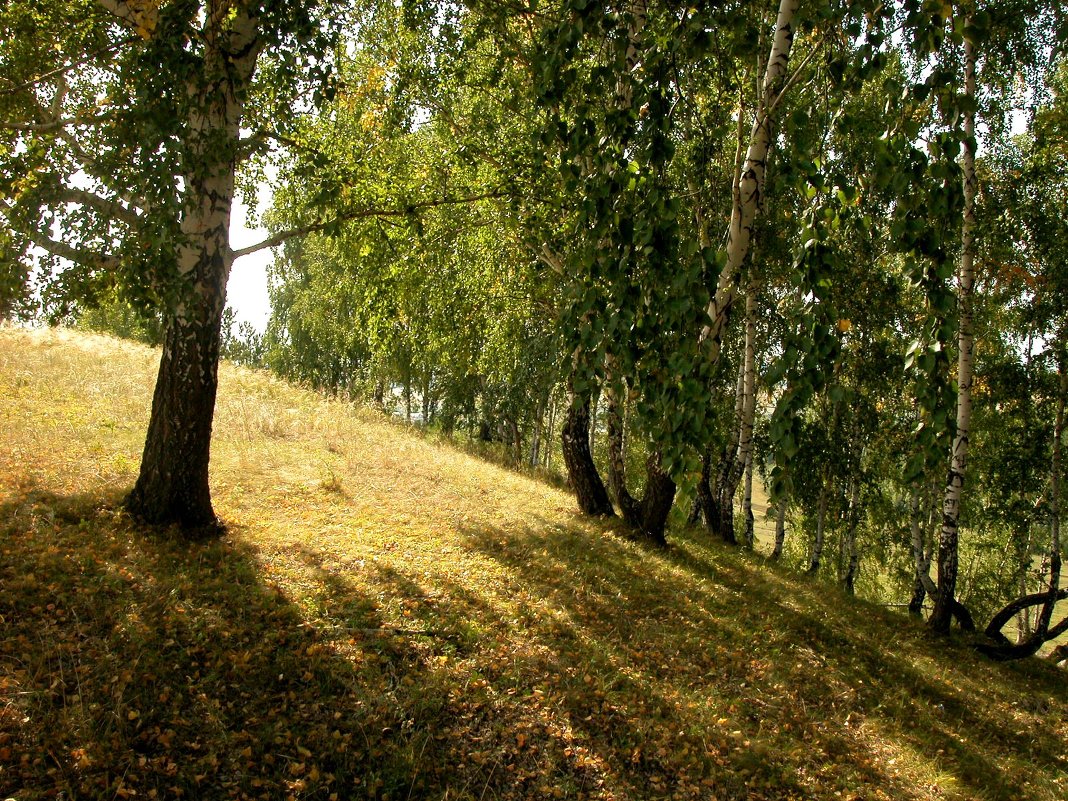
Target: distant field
point(389, 618)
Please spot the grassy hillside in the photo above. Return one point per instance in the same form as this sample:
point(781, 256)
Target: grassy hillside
point(387, 618)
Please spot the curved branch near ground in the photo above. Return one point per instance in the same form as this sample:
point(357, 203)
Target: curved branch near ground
point(998, 622)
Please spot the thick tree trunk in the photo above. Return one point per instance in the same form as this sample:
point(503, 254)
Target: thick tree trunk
point(945, 600)
point(582, 473)
point(648, 517)
point(172, 486)
point(656, 502)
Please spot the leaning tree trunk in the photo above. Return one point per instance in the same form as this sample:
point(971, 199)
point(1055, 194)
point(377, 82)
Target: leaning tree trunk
point(945, 601)
point(748, 189)
point(172, 486)
point(582, 473)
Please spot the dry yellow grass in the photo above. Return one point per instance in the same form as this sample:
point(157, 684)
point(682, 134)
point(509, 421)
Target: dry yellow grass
point(389, 618)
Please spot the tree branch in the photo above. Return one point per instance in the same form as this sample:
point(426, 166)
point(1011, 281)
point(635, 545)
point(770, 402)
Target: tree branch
point(104, 51)
point(552, 259)
point(359, 214)
point(76, 255)
point(51, 125)
point(109, 208)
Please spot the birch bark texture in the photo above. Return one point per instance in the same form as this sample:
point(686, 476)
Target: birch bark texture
point(172, 486)
point(945, 602)
point(748, 191)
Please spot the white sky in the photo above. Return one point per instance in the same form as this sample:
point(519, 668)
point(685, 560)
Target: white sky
point(247, 289)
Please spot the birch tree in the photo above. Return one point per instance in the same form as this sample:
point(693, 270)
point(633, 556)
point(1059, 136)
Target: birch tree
point(124, 125)
point(945, 601)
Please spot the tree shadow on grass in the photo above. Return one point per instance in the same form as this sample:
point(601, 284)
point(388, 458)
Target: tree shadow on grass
point(136, 664)
point(703, 659)
point(987, 723)
point(581, 667)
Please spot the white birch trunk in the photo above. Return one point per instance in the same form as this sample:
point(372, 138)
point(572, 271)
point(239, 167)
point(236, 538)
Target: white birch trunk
point(749, 186)
point(948, 544)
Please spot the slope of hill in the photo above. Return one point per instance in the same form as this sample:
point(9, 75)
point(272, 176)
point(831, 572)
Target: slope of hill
point(388, 618)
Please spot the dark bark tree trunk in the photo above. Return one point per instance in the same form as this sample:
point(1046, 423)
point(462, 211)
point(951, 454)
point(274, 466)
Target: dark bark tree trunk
point(582, 473)
point(850, 554)
point(747, 503)
point(719, 516)
point(780, 528)
point(647, 517)
point(172, 485)
point(656, 502)
point(705, 504)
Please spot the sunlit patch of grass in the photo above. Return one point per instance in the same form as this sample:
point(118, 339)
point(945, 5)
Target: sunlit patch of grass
point(390, 618)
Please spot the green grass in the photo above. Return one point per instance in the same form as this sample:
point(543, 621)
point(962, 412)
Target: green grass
point(390, 618)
